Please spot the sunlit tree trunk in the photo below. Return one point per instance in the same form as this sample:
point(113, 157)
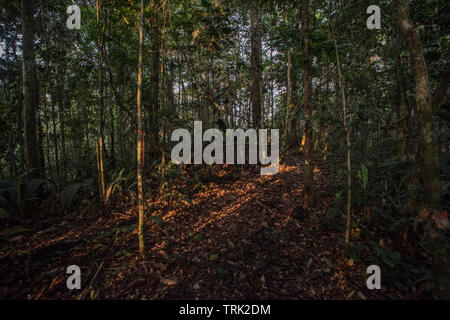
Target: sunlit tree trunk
point(139, 137)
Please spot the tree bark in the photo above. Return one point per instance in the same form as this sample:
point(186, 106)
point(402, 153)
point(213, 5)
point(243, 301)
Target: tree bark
point(428, 148)
point(30, 90)
point(341, 85)
point(139, 138)
point(100, 39)
point(256, 62)
point(307, 87)
point(154, 79)
point(287, 133)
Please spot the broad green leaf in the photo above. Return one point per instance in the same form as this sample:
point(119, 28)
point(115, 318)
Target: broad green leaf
point(389, 262)
point(365, 175)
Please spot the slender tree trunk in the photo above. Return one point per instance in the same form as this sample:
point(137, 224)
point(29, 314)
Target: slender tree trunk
point(404, 145)
point(154, 79)
point(112, 134)
point(139, 137)
point(62, 128)
point(429, 150)
point(55, 137)
point(99, 146)
point(256, 61)
point(40, 138)
point(341, 84)
point(46, 73)
point(287, 132)
point(100, 39)
point(404, 109)
point(307, 87)
point(30, 90)
point(295, 108)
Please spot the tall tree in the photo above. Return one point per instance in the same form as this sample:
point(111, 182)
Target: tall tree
point(341, 85)
point(30, 89)
point(256, 62)
point(307, 87)
point(287, 133)
point(140, 136)
point(428, 148)
point(100, 41)
point(154, 77)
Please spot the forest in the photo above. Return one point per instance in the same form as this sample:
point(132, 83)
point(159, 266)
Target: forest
point(224, 149)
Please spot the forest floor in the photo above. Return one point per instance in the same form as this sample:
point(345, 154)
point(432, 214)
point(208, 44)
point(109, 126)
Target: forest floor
point(240, 238)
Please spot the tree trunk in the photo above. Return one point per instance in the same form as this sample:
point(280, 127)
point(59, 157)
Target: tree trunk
point(154, 79)
point(55, 137)
point(287, 133)
point(341, 84)
point(100, 39)
point(307, 87)
point(429, 150)
point(405, 143)
point(30, 90)
point(293, 142)
point(62, 127)
point(256, 62)
point(139, 138)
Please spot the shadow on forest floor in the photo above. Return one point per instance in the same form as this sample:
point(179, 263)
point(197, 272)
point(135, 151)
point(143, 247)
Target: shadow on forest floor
point(242, 238)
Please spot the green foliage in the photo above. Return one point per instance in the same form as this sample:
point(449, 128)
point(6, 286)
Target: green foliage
point(125, 229)
point(121, 253)
point(15, 196)
point(120, 182)
point(214, 257)
point(363, 175)
point(387, 256)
